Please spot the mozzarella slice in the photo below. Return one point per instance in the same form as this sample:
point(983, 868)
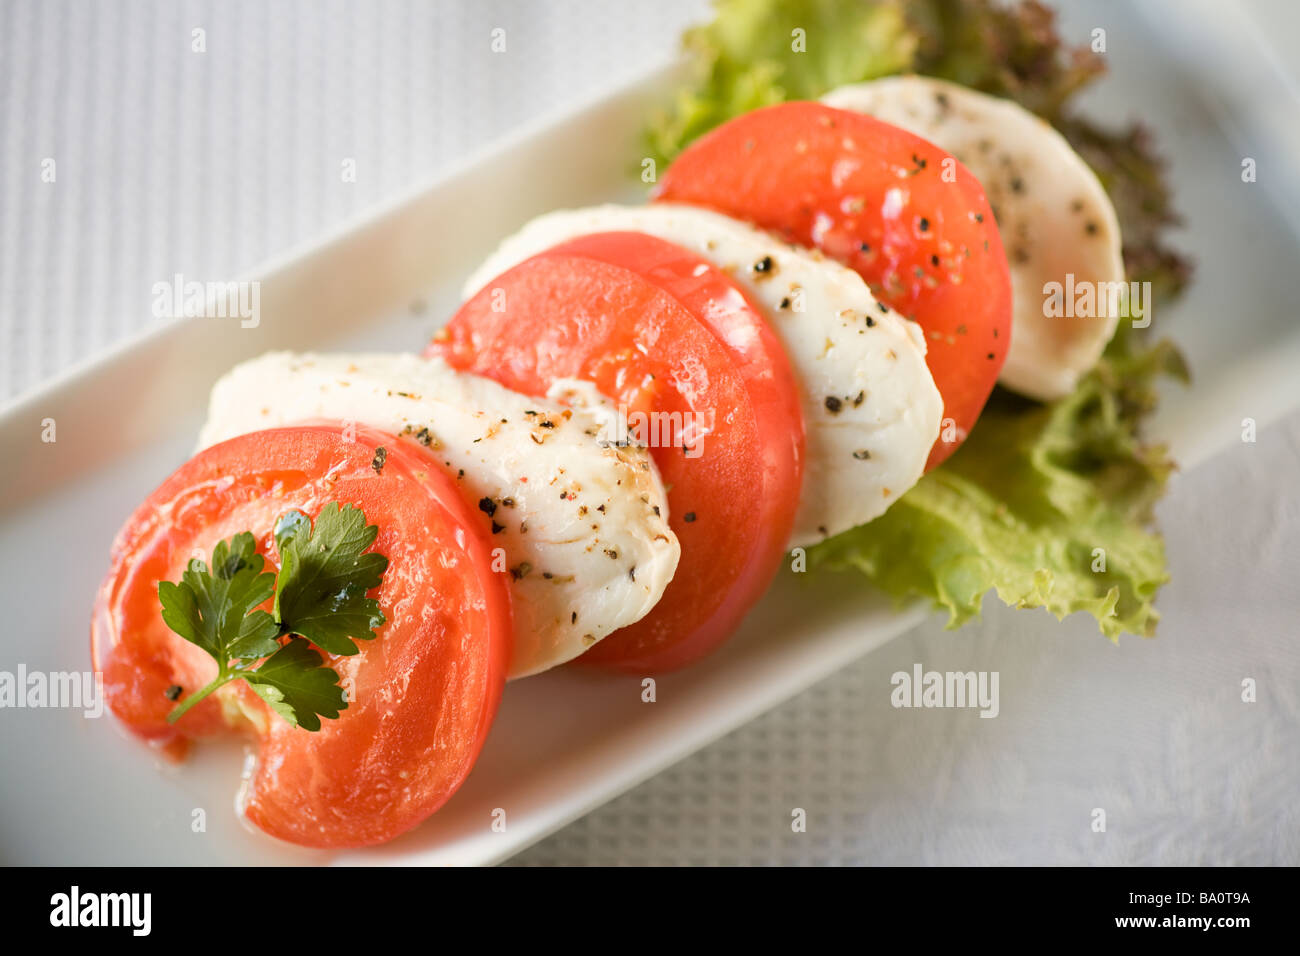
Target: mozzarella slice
point(871, 410)
point(582, 523)
point(1056, 221)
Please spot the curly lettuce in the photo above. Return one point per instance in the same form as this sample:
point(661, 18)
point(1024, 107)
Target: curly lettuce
point(1047, 505)
point(759, 52)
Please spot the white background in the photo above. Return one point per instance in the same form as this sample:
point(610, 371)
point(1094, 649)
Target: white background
point(207, 164)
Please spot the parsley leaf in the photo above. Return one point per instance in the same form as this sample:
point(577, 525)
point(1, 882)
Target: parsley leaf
point(208, 608)
point(324, 577)
point(257, 637)
point(320, 596)
point(297, 686)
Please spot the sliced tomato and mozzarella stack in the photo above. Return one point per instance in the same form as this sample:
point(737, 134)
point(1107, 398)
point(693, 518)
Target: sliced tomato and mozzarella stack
point(668, 336)
point(604, 455)
point(580, 521)
point(903, 213)
point(1058, 223)
point(870, 407)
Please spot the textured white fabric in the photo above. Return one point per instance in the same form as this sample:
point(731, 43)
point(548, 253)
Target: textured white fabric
point(168, 160)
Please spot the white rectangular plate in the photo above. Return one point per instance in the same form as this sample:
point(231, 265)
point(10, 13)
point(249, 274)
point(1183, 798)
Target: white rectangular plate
point(78, 791)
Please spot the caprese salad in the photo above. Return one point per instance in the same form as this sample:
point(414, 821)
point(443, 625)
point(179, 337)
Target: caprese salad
point(607, 452)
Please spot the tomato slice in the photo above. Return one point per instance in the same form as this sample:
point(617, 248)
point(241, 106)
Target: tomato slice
point(422, 693)
point(903, 213)
point(664, 333)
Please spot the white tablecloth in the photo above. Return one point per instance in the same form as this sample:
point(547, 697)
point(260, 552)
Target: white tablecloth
point(206, 163)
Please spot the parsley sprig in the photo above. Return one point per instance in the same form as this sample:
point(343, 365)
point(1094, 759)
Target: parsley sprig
point(320, 598)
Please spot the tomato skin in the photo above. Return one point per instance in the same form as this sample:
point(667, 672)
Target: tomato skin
point(903, 213)
point(630, 313)
point(411, 732)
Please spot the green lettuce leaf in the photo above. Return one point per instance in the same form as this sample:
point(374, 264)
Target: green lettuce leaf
point(752, 56)
point(1047, 505)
